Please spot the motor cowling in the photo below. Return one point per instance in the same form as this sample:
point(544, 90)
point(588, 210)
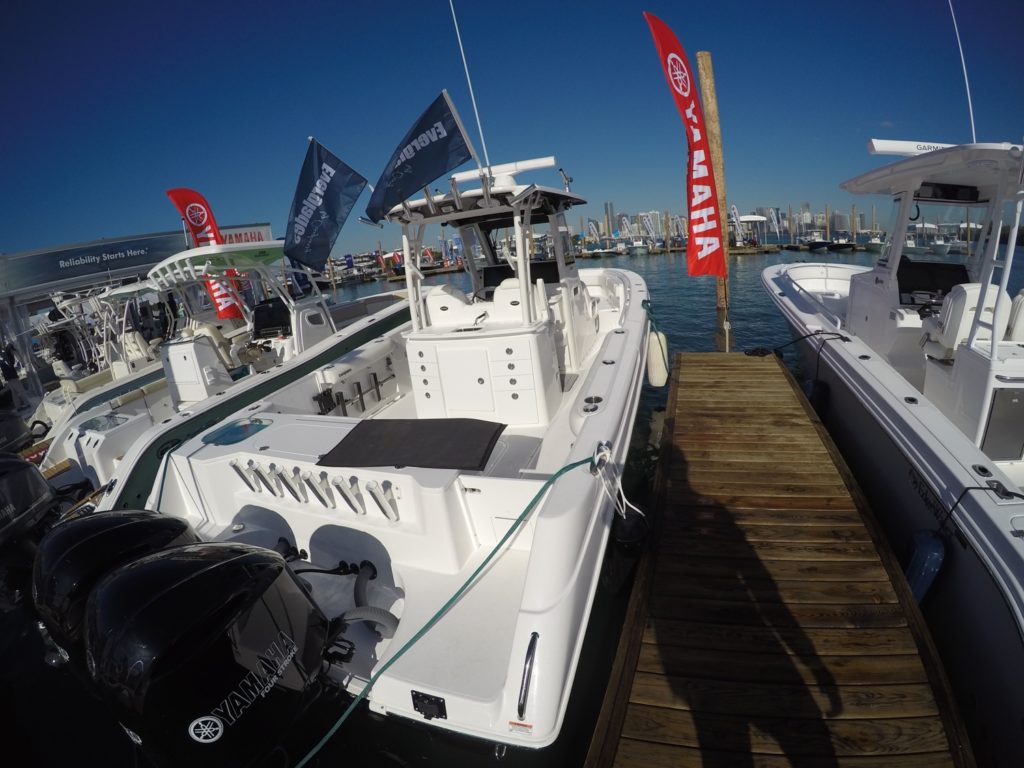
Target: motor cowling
point(207, 652)
point(25, 497)
point(14, 432)
point(77, 553)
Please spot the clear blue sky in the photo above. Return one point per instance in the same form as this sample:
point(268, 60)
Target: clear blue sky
point(108, 104)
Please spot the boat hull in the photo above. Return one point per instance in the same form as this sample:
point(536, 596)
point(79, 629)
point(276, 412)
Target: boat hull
point(907, 481)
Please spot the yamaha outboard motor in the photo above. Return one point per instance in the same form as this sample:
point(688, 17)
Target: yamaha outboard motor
point(14, 432)
point(75, 554)
point(207, 652)
point(25, 497)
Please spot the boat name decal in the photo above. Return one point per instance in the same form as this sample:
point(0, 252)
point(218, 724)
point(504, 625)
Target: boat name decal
point(313, 201)
point(256, 684)
point(422, 141)
point(931, 501)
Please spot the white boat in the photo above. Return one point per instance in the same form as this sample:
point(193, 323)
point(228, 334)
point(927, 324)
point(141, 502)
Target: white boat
point(939, 245)
point(815, 240)
point(93, 341)
point(913, 247)
point(461, 466)
point(874, 244)
point(202, 359)
point(921, 378)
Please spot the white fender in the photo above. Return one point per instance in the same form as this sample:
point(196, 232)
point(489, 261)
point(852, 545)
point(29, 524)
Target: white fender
point(657, 359)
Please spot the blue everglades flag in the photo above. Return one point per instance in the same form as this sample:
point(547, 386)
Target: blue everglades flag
point(324, 197)
point(433, 146)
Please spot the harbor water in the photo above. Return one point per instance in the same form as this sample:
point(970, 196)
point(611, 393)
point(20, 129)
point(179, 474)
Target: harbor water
point(46, 718)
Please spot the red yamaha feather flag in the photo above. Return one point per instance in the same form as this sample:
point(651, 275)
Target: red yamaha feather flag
point(704, 252)
point(199, 218)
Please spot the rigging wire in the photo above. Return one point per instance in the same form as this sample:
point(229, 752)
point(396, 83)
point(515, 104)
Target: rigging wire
point(469, 82)
point(963, 64)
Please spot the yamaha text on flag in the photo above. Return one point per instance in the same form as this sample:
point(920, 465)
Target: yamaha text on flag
point(199, 218)
point(324, 197)
point(434, 145)
point(705, 254)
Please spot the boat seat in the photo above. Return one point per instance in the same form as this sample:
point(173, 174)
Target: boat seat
point(506, 301)
point(137, 348)
point(1015, 323)
point(448, 306)
point(222, 345)
point(72, 387)
point(945, 332)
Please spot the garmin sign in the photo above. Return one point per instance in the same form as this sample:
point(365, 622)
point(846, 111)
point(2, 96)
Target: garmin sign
point(36, 273)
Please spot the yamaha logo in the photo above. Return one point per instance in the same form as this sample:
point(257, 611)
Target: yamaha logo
point(678, 75)
point(196, 214)
point(206, 729)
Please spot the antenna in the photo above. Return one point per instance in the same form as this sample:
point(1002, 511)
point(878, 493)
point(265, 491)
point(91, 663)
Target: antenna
point(469, 82)
point(963, 64)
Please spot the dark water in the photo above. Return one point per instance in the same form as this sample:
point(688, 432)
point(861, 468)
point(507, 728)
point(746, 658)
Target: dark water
point(47, 720)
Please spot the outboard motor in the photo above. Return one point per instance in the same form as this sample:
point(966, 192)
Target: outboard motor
point(206, 652)
point(25, 497)
point(77, 553)
point(14, 432)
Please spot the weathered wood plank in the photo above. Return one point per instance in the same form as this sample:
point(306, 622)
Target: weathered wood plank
point(826, 640)
point(759, 590)
point(793, 570)
point(751, 699)
point(633, 753)
point(777, 615)
point(788, 666)
point(794, 738)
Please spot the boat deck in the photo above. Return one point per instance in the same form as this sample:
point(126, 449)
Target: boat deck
point(770, 625)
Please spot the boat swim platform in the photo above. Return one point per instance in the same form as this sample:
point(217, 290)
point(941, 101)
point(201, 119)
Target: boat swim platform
point(769, 625)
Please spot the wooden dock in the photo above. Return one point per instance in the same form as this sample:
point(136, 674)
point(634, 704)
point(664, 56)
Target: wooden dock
point(769, 625)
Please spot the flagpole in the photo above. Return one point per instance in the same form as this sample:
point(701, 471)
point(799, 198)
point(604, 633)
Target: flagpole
point(706, 75)
point(472, 96)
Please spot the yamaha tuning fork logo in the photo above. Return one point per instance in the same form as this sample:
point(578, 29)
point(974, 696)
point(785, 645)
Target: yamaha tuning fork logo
point(196, 214)
point(678, 74)
point(206, 729)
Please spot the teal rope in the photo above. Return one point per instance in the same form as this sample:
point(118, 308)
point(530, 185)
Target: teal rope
point(441, 611)
point(646, 304)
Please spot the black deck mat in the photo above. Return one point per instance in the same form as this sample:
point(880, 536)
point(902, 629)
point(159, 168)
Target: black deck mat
point(430, 443)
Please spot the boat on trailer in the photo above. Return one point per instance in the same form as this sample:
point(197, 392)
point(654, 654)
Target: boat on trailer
point(919, 369)
point(418, 520)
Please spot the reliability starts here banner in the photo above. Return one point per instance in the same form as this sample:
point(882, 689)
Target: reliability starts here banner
point(704, 252)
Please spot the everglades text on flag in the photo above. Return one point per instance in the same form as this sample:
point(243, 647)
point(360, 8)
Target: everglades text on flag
point(199, 218)
point(431, 148)
point(704, 251)
point(324, 197)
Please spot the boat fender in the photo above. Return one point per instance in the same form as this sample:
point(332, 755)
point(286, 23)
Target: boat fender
point(657, 359)
point(929, 552)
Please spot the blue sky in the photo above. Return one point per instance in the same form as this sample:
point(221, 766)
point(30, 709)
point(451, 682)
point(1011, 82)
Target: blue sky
point(107, 105)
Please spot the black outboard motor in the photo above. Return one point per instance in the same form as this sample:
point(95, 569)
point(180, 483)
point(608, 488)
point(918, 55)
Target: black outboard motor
point(25, 500)
point(75, 554)
point(14, 432)
point(207, 652)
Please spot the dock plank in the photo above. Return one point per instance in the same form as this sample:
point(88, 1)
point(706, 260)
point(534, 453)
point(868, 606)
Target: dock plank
point(771, 625)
